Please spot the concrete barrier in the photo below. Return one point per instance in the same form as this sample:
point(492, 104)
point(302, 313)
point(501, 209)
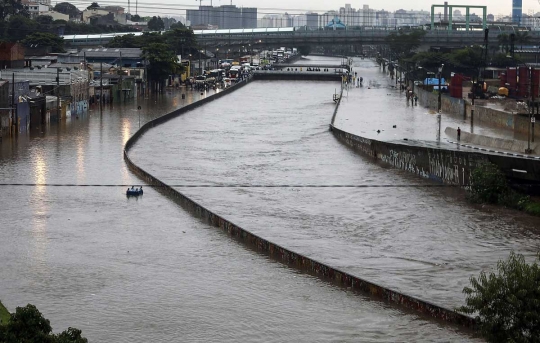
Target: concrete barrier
point(490, 142)
point(296, 75)
point(288, 257)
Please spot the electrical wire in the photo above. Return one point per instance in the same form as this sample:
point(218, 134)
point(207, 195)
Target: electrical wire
point(228, 185)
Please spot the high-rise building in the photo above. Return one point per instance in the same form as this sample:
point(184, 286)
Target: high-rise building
point(312, 20)
point(249, 17)
point(517, 11)
point(224, 17)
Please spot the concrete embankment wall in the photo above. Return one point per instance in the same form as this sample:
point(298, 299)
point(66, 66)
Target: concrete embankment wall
point(277, 252)
point(448, 104)
point(448, 166)
point(482, 115)
point(299, 76)
point(492, 142)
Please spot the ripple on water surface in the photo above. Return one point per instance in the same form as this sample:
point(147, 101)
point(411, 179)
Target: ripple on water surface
point(144, 270)
point(426, 242)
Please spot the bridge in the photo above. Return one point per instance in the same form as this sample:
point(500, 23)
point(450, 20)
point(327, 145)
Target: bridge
point(294, 37)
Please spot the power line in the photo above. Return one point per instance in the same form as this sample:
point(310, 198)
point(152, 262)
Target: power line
point(230, 185)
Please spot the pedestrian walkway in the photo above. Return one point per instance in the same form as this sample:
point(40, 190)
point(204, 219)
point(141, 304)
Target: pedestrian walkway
point(379, 110)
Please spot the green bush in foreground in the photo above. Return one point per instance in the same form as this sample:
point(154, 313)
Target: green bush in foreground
point(489, 185)
point(27, 325)
point(4, 314)
point(507, 304)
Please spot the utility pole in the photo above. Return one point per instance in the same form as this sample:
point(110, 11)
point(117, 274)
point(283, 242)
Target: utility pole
point(473, 90)
point(528, 151)
point(88, 80)
point(120, 83)
point(58, 112)
point(13, 104)
point(101, 91)
point(439, 104)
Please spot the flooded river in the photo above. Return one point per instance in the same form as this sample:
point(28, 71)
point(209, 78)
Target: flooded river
point(140, 270)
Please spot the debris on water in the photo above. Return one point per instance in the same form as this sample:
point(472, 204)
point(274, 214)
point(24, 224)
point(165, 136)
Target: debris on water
point(394, 126)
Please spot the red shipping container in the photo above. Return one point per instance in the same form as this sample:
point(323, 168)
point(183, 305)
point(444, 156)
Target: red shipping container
point(456, 86)
point(523, 83)
point(511, 79)
point(535, 82)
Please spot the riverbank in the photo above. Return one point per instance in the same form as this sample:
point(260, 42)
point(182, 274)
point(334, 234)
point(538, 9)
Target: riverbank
point(4, 314)
point(287, 256)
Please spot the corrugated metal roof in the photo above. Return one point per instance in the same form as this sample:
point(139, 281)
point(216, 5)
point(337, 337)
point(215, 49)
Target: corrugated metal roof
point(108, 52)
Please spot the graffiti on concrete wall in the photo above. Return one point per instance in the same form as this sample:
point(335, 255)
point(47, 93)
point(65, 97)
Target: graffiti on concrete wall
point(359, 143)
point(404, 160)
point(452, 167)
point(447, 166)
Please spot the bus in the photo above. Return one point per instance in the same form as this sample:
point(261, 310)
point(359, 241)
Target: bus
point(245, 59)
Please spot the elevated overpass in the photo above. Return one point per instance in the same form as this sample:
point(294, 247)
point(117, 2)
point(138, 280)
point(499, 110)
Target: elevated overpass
point(294, 37)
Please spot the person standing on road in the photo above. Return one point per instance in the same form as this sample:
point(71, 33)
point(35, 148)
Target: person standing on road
point(458, 134)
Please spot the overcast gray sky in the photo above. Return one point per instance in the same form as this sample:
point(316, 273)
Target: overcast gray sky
point(494, 6)
point(177, 7)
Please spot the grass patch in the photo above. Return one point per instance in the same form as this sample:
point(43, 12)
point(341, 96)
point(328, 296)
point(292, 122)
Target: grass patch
point(4, 314)
point(533, 208)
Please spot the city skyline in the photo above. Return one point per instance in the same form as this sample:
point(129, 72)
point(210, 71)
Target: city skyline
point(495, 7)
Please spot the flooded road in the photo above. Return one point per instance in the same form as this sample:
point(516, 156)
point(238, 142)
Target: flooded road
point(379, 105)
point(144, 270)
point(272, 138)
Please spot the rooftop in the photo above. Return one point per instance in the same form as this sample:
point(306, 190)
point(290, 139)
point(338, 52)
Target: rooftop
point(108, 52)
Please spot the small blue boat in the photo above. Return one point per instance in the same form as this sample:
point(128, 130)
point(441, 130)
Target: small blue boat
point(134, 191)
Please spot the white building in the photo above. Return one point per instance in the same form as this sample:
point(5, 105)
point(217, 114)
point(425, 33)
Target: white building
point(35, 9)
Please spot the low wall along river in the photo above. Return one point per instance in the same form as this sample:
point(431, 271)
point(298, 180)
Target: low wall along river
point(277, 252)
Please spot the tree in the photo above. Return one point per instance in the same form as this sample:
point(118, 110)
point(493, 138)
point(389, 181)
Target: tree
point(162, 63)
point(18, 27)
point(304, 50)
point(92, 6)
point(45, 39)
point(181, 40)
point(427, 59)
point(44, 20)
point(136, 18)
point(71, 335)
point(488, 183)
point(470, 57)
point(501, 60)
point(401, 44)
point(27, 325)
point(177, 25)
point(156, 24)
point(507, 304)
point(124, 41)
point(12, 7)
point(522, 38)
point(69, 9)
point(504, 42)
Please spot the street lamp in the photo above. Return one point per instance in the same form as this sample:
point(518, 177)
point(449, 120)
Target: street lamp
point(58, 70)
point(440, 77)
point(439, 104)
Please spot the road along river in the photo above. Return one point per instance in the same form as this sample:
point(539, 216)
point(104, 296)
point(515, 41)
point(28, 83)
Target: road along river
point(143, 270)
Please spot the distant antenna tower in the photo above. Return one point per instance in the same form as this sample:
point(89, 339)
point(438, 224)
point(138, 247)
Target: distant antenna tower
point(129, 7)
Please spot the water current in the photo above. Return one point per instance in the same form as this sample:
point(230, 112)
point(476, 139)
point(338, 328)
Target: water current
point(143, 270)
